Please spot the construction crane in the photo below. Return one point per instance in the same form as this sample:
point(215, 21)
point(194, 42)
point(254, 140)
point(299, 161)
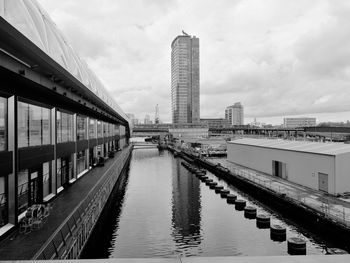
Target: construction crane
point(156, 117)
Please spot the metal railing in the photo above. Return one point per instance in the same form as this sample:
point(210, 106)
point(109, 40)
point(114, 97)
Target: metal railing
point(70, 237)
point(329, 206)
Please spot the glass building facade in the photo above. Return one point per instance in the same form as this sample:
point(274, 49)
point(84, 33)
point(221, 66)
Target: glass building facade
point(56, 118)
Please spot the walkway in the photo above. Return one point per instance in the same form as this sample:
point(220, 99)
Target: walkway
point(336, 208)
point(24, 246)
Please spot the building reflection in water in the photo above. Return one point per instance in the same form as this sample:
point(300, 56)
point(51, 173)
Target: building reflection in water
point(186, 208)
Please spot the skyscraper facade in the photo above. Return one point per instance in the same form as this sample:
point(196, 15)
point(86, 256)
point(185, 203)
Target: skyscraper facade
point(235, 114)
point(185, 79)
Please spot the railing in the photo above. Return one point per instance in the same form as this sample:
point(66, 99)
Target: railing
point(330, 207)
point(70, 237)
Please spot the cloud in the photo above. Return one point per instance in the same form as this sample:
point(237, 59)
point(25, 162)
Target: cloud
point(277, 57)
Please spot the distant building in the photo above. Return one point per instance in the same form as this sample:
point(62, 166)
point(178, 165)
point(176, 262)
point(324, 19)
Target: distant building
point(235, 114)
point(216, 123)
point(298, 122)
point(185, 79)
point(147, 119)
point(186, 131)
point(132, 118)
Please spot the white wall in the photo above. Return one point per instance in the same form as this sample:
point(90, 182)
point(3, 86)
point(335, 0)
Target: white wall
point(302, 168)
point(342, 180)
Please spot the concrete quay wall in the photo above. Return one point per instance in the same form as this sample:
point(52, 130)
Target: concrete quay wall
point(308, 217)
point(68, 241)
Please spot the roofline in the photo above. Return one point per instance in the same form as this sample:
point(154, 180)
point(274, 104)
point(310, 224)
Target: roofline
point(14, 42)
point(172, 43)
point(290, 150)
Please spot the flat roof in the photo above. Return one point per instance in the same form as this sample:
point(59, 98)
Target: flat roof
point(296, 146)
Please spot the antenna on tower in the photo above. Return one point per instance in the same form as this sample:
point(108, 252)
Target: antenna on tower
point(156, 117)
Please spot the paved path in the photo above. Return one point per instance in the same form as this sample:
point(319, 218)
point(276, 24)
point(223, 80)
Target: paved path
point(24, 246)
point(333, 207)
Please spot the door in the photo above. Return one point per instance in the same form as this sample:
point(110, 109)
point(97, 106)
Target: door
point(279, 169)
point(323, 182)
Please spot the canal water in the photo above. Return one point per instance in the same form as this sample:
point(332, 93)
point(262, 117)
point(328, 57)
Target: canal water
point(160, 209)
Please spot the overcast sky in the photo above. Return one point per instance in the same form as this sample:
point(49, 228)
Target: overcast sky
point(278, 58)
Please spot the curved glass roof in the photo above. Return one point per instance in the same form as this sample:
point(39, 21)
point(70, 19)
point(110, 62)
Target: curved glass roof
point(28, 17)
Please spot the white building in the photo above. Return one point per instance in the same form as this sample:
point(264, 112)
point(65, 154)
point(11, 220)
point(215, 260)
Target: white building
point(320, 166)
point(235, 114)
point(298, 122)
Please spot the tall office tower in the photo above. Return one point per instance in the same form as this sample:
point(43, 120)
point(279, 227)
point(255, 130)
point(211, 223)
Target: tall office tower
point(234, 114)
point(185, 79)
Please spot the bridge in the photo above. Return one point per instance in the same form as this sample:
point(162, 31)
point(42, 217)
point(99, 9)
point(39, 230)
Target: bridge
point(144, 145)
point(163, 129)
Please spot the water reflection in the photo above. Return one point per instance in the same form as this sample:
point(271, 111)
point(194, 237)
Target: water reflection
point(167, 211)
point(100, 245)
point(186, 208)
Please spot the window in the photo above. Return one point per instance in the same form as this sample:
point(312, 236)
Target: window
point(46, 179)
point(81, 128)
point(3, 115)
point(59, 174)
point(64, 127)
point(33, 125)
point(105, 131)
point(116, 130)
point(92, 131)
point(3, 201)
point(22, 191)
point(99, 129)
point(81, 162)
point(64, 171)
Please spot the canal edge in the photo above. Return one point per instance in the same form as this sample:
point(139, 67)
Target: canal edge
point(69, 239)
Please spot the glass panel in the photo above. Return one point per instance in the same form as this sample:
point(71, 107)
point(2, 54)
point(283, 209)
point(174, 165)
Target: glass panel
point(81, 128)
point(23, 124)
point(58, 127)
point(81, 162)
point(34, 188)
point(3, 114)
point(105, 129)
point(59, 173)
point(22, 191)
point(46, 126)
point(92, 133)
point(46, 179)
point(116, 129)
point(64, 127)
point(99, 129)
point(70, 127)
point(35, 132)
point(70, 167)
point(3, 202)
point(33, 125)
